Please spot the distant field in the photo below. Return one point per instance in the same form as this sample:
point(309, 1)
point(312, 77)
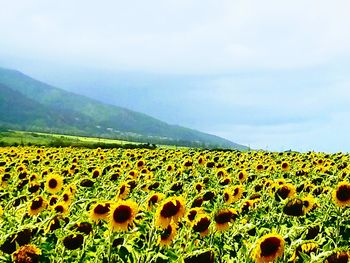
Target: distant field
point(9, 138)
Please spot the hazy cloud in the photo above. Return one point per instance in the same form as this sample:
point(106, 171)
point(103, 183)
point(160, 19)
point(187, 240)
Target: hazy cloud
point(264, 73)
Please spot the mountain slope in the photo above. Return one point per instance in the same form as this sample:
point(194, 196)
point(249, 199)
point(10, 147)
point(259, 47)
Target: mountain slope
point(48, 108)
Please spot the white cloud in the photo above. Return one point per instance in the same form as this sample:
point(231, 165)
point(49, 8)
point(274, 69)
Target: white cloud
point(258, 72)
point(181, 36)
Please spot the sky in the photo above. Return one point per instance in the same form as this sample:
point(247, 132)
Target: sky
point(269, 74)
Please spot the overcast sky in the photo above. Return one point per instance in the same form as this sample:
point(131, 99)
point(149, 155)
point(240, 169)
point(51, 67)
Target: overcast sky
point(269, 74)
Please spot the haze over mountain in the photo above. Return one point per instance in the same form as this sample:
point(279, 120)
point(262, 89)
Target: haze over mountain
point(29, 104)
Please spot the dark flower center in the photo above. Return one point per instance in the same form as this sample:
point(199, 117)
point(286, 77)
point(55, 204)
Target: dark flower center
point(53, 183)
point(343, 193)
point(153, 200)
point(191, 215)
point(208, 196)
point(283, 192)
point(84, 227)
point(122, 189)
point(37, 203)
point(306, 203)
point(341, 257)
point(65, 197)
point(169, 209)
point(197, 202)
point(101, 209)
point(226, 197)
point(166, 233)
point(72, 242)
point(294, 208)
point(59, 209)
point(122, 213)
point(53, 200)
point(95, 174)
point(270, 246)
point(202, 225)
point(220, 173)
point(224, 217)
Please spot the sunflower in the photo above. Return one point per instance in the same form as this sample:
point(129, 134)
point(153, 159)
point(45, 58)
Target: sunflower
point(201, 160)
point(208, 195)
point(312, 232)
point(306, 248)
point(100, 211)
point(53, 200)
point(122, 215)
point(83, 227)
point(61, 208)
point(237, 192)
point(259, 167)
point(34, 177)
point(37, 205)
point(153, 199)
point(96, 172)
point(233, 194)
point(226, 180)
point(197, 202)
point(187, 163)
point(67, 197)
point(73, 241)
point(248, 204)
point(72, 188)
point(123, 190)
point(201, 225)
point(199, 187)
point(224, 217)
point(201, 256)
point(170, 167)
point(34, 187)
point(167, 235)
point(26, 254)
point(221, 172)
point(228, 196)
point(338, 257)
point(242, 176)
point(285, 191)
point(172, 208)
point(285, 166)
point(308, 203)
point(132, 174)
point(193, 213)
point(268, 248)
point(54, 183)
point(140, 164)
point(341, 195)
point(294, 207)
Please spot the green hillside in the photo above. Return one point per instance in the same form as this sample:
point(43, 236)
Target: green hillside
point(29, 104)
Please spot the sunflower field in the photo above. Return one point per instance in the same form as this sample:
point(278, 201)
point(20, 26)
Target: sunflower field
point(173, 205)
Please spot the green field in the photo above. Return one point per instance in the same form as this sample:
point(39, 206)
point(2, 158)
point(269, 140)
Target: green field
point(17, 138)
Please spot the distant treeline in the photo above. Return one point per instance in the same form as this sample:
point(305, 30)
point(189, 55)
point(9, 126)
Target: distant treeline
point(64, 142)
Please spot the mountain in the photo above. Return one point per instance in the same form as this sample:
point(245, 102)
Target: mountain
point(28, 104)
